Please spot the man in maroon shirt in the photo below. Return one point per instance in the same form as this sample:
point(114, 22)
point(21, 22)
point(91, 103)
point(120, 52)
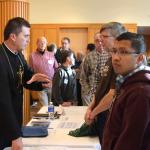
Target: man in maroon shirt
point(128, 123)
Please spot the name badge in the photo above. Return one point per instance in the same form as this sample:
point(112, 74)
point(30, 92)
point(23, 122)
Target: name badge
point(50, 62)
point(65, 81)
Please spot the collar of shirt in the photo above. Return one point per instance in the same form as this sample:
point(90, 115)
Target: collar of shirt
point(15, 53)
point(102, 52)
point(64, 49)
point(99, 50)
point(120, 79)
point(40, 52)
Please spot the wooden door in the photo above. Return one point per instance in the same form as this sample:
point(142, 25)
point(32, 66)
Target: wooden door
point(51, 35)
point(35, 34)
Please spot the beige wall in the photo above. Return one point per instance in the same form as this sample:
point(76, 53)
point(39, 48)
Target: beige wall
point(90, 11)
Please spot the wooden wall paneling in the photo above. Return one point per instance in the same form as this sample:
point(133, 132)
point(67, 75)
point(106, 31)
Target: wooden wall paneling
point(93, 28)
point(35, 34)
point(131, 27)
point(51, 35)
point(58, 37)
point(90, 35)
point(147, 40)
point(75, 26)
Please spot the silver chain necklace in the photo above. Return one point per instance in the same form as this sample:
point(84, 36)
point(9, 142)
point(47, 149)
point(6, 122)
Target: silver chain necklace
point(10, 63)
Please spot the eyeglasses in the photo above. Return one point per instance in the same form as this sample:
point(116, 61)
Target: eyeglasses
point(105, 36)
point(64, 43)
point(121, 52)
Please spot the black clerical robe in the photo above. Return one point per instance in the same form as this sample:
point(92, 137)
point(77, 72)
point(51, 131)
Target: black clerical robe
point(14, 73)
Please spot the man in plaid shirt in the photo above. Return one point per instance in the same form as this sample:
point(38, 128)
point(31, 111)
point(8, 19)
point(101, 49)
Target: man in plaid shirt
point(92, 69)
point(96, 112)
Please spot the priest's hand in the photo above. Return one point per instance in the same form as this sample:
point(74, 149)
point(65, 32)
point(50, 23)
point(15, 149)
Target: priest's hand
point(17, 144)
point(38, 77)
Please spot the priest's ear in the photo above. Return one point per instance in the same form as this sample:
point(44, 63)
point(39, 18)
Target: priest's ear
point(13, 37)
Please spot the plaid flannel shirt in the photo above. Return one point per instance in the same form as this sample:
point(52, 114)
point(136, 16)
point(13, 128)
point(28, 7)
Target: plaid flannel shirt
point(93, 67)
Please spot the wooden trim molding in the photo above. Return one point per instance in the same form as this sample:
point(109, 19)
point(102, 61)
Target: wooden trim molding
point(15, 0)
point(10, 9)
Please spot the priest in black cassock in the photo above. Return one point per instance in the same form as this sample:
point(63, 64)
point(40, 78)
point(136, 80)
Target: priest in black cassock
point(14, 75)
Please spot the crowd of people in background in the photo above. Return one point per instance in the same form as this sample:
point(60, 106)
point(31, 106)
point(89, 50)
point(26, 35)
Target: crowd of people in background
point(92, 80)
point(49, 60)
point(112, 79)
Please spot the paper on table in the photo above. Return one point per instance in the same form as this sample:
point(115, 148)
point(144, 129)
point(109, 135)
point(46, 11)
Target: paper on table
point(60, 148)
point(68, 125)
point(44, 148)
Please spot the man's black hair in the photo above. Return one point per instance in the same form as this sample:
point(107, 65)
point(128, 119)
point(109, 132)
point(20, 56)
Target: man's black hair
point(137, 41)
point(15, 25)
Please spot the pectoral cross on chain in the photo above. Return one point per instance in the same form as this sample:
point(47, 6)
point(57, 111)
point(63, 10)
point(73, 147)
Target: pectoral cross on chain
point(20, 74)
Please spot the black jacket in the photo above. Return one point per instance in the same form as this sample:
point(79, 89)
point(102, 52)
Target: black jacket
point(64, 86)
point(11, 94)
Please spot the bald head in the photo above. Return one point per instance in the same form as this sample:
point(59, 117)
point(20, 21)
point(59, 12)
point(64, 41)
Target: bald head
point(97, 41)
point(41, 43)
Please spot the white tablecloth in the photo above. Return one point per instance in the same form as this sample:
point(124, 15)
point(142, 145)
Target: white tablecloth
point(58, 138)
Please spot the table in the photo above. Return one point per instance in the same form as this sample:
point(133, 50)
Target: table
point(58, 137)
